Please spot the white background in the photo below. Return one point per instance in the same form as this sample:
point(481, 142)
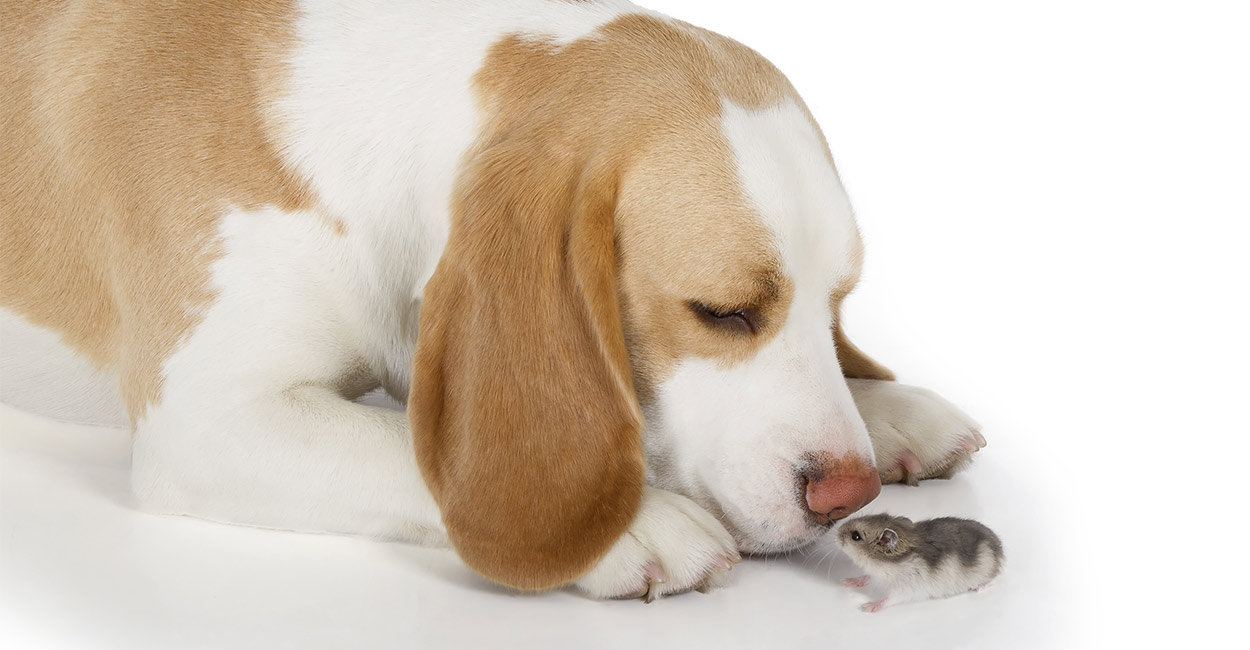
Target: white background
point(1053, 197)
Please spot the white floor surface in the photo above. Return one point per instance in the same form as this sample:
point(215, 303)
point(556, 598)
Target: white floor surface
point(81, 568)
point(1054, 203)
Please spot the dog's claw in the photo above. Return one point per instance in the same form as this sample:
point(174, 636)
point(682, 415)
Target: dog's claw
point(657, 578)
point(718, 577)
point(911, 468)
point(655, 573)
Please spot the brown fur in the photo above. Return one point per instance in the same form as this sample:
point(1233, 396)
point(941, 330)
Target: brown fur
point(129, 128)
point(601, 200)
point(522, 406)
point(856, 364)
point(530, 441)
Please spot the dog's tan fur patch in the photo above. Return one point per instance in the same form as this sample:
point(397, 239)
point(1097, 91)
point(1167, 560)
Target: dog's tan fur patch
point(600, 202)
point(531, 442)
point(130, 129)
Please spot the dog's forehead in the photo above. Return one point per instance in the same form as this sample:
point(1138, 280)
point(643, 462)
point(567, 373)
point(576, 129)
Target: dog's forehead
point(752, 196)
point(684, 210)
point(787, 174)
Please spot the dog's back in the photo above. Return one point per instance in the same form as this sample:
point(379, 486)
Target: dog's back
point(102, 107)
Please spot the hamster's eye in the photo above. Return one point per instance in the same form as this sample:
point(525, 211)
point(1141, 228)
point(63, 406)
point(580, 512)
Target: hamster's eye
point(855, 535)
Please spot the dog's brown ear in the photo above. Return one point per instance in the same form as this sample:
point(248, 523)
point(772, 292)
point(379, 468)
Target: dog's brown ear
point(526, 426)
point(855, 364)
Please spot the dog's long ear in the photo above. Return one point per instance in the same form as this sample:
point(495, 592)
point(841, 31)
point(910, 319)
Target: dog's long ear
point(526, 426)
point(855, 364)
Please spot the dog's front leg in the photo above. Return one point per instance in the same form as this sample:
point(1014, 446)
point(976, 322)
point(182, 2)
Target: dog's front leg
point(302, 459)
point(254, 423)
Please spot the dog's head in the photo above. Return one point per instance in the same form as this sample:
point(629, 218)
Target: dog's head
point(649, 248)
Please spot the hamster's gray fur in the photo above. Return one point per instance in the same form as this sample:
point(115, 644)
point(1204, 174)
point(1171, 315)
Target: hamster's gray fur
point(934, 558)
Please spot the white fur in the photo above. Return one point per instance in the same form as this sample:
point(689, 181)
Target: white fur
point(256, 423)
point(908, 418)
point(670, 532)
point(38, 372)
point(379, 115)
point(912, 579)
point(732, 437)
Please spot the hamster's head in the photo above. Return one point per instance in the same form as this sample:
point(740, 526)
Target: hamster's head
point(874, 537)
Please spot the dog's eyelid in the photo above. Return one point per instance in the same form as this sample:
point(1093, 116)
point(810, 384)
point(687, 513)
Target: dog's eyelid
point(743, 319)
point(721, 311)
point(754, 290)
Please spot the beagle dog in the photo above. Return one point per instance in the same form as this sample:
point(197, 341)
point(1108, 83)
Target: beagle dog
point(597, 252)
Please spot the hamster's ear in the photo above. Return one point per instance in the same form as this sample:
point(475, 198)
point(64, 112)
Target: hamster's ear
point(525, 423)
point(888, 539)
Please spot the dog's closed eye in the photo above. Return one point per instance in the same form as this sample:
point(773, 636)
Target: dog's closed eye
point(740, 320)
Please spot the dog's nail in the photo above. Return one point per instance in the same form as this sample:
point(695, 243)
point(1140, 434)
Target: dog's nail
point(911, 468)
point(980, 438)
point(653, 591)
point(724, 564)
point(655, 573)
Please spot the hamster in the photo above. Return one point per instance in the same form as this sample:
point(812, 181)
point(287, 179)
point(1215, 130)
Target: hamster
point(934, 558)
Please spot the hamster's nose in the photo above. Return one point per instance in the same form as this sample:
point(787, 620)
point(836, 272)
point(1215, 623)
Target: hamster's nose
point(839, 486)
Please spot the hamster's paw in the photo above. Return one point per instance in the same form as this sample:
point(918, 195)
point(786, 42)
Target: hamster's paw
point(672, 546)
point(873, 606)
point(915, 433)
point(856, 582)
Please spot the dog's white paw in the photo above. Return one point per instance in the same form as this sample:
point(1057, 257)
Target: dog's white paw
point(672, 546)
point(915, 433)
